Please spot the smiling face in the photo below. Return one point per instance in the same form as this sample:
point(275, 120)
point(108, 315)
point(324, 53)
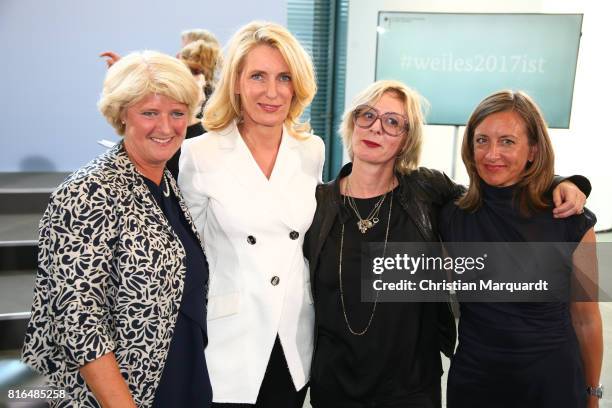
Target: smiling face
point(154, 130)
point(501, 149)
point(265, 88)
point(373, 145)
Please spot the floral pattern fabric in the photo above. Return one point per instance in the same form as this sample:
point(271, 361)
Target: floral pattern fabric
point(110, 279)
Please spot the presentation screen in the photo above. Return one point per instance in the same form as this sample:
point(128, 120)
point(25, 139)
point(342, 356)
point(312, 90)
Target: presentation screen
point(455, 60)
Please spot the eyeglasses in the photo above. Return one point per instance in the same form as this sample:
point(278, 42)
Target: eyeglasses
point(392, 123)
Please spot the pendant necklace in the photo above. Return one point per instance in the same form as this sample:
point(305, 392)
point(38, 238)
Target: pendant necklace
point(346, 319)
point(372, 219)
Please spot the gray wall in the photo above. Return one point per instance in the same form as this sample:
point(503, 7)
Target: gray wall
point(51, 76)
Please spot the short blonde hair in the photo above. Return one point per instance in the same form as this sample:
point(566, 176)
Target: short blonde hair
point(141, 73)
point(195, 34)
point(410, 154)
point(224, 104)
point(204, 56)
point(537, 177)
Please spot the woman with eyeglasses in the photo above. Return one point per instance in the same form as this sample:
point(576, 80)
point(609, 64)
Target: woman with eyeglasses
point(380, 354)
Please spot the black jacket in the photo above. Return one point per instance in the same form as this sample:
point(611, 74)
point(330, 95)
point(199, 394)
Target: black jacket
point(422, 194)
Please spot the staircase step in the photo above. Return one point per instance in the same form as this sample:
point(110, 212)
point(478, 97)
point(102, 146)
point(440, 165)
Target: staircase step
point(23, 203)
point(13, 333)
point(19, 229)
point(20, 257)
point(16, 290)
point(33, 182)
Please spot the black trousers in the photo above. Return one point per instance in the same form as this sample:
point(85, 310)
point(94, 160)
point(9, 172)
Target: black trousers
point(277, 389)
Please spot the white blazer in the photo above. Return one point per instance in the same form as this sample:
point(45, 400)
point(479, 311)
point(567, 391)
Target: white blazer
point(253, 229)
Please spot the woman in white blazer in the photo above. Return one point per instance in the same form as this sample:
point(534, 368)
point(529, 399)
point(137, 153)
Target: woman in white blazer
point(249, 184)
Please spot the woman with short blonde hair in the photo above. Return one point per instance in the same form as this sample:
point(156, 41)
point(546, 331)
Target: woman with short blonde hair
point(118, 317)
point(410, 152)
point(142, 73)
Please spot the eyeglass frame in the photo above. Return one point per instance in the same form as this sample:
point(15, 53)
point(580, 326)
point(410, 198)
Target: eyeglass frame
point(379, 116)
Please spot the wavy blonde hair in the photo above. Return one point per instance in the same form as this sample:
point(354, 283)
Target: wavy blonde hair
point(224, 105)
point(204, 56)
point(537, 176)
point(410, 154)
point(142, 73)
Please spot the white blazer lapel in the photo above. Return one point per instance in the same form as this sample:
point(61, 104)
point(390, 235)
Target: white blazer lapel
point(287, 164)
point(275, 192)
point(240, 161)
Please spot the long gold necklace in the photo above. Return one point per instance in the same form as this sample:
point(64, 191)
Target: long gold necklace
point(346, 319)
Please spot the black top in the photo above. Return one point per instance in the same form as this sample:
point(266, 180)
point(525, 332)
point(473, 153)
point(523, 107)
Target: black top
point(185, 381)
point(499, 220)
point(192, 131)
point(398, 359)
point(526, 352)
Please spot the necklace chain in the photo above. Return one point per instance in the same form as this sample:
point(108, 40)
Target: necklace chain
point(346, 319)
point(372, 219)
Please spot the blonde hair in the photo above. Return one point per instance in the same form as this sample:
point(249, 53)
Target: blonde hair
point(537, 176)
point(410, 153)
point(204, 56)
point(196, 34)
point(142, 73)
point(224, 104)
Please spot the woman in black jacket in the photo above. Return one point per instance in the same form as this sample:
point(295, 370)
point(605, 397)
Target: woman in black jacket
point(379, 354)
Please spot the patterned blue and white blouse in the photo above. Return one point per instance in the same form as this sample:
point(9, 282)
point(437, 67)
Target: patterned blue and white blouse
point(110, 279)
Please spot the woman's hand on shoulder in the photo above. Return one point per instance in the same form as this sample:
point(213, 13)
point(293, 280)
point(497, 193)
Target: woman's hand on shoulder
point(568, 200)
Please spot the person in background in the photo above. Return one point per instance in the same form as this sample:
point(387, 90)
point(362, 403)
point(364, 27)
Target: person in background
point(201, 51)
point(119, 317)
point(203, 58)
point(380, 354)
point(249, 184)
point(545, 354)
